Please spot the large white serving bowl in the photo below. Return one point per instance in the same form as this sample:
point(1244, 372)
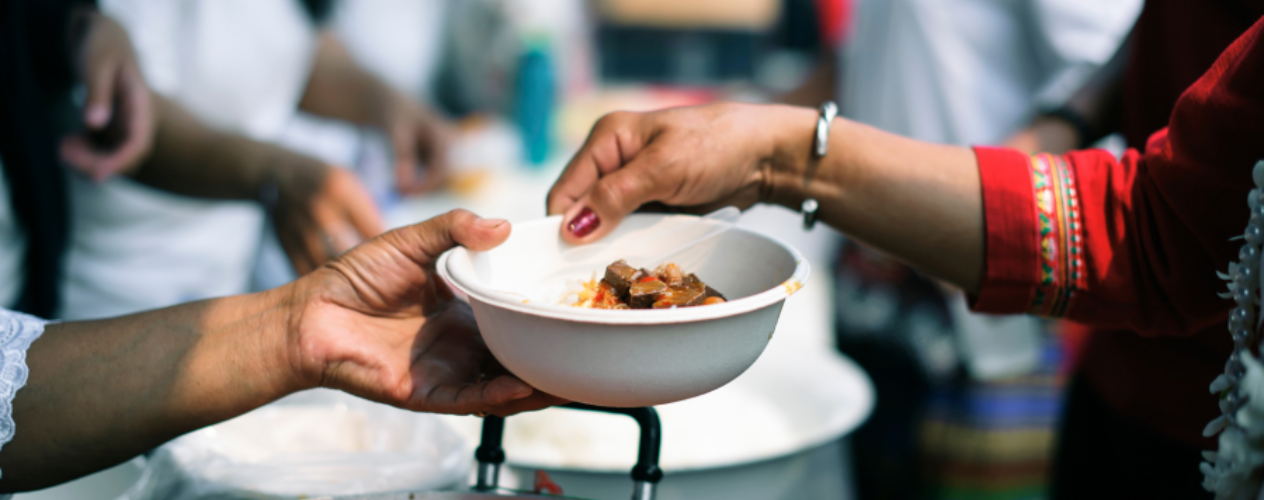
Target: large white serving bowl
point(626, 358)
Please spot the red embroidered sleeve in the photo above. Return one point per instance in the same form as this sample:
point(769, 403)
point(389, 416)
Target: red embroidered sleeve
point(1132, 242)
point(1061, 236)
point(1124, 243)
point(1035, 240)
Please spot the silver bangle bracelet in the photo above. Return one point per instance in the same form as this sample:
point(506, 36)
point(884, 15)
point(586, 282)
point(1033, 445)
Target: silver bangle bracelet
point(828, 112)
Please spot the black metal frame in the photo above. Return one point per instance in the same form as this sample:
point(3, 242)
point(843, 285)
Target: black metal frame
point(645, 474)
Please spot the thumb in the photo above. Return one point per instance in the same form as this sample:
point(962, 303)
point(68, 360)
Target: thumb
point(612, 198)
point(425, 241)
point(99, 106)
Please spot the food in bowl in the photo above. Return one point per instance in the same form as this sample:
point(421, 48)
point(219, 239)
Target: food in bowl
point(626, 287)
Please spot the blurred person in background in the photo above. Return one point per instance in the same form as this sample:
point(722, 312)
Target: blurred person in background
point(1137, 403)
point(967, 400)
point(1133, 242)
point(243, 68)
point(45, 49)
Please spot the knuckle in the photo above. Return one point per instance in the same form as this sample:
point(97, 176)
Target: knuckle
point(612, 120)
point(457, 217)
point(609, 191)
point(617, 191)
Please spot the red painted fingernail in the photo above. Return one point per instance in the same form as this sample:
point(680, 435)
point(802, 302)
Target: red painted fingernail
point(584, 223)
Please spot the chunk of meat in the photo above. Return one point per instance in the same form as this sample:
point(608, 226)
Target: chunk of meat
point(621, 276)
point(682, 296)
point(644, 294)
point(670, 273)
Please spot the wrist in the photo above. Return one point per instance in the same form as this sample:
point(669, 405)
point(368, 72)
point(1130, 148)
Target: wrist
point(283, 347)
point(288, 177)
point(791, 167)
point(240, 360)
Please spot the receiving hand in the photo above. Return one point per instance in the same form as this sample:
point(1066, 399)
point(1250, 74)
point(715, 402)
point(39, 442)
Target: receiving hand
point(321, 213)
point(696, 159)
point(118, 117)
point(418, 137)
point(379, 323)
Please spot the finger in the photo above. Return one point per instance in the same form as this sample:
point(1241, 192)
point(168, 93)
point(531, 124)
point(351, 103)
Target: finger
point(611, 142)
point(404, 144)
point(475, 398)
point(333, 233)
point(296, 249)
point(655, 207)
point(99, 104)
point(311, 244)
point(613, 197)
point(78, 152)
point(536, 401)
point(435, 152)
point(423, 242)
point(134, 107)
point(357, 205)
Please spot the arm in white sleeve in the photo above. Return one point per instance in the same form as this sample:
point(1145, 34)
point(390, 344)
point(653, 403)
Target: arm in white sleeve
point(17, 331)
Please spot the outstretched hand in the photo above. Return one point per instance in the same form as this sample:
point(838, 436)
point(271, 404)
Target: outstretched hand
point(379, 323)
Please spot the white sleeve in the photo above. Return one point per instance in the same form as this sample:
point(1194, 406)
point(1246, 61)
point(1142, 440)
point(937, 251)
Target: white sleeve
point(1075, 37)
point(17, 331)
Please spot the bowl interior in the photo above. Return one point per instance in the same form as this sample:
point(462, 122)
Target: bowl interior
point(534, 264)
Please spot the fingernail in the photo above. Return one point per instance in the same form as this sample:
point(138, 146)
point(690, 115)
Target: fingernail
point(97, 116)
point(584, 223)
point(491, 223)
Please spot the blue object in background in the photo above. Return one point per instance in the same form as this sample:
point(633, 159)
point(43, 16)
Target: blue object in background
point(535, 88)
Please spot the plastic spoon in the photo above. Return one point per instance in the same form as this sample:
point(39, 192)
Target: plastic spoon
point(727, 217)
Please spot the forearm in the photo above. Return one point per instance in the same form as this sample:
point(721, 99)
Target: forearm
point(340, 88)
point(192, 159)
point(101, 392)
point(919, 202)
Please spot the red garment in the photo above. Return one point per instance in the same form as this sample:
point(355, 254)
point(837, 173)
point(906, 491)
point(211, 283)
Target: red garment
point(1135, 243)
point(834, 17)
point(1175, 41)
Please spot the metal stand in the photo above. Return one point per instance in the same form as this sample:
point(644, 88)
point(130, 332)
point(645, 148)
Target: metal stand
point(645, 474)
point(489, 453)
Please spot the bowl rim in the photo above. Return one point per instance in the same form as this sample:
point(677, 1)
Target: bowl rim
point(559, 312)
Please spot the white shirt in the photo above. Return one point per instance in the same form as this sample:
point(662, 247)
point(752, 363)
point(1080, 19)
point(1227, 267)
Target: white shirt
point(969, 72)
point(973, 71)
point(17, 331)
point(238, 65)
point(12, 248)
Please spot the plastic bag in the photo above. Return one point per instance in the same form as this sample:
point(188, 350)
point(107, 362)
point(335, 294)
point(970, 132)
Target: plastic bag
point(317, 443)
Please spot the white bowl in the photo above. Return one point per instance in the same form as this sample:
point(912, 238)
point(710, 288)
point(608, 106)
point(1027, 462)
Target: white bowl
point(626, 358)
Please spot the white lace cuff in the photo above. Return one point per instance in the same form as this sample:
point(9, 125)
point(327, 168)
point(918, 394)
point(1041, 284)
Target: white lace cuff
point(17, 331)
